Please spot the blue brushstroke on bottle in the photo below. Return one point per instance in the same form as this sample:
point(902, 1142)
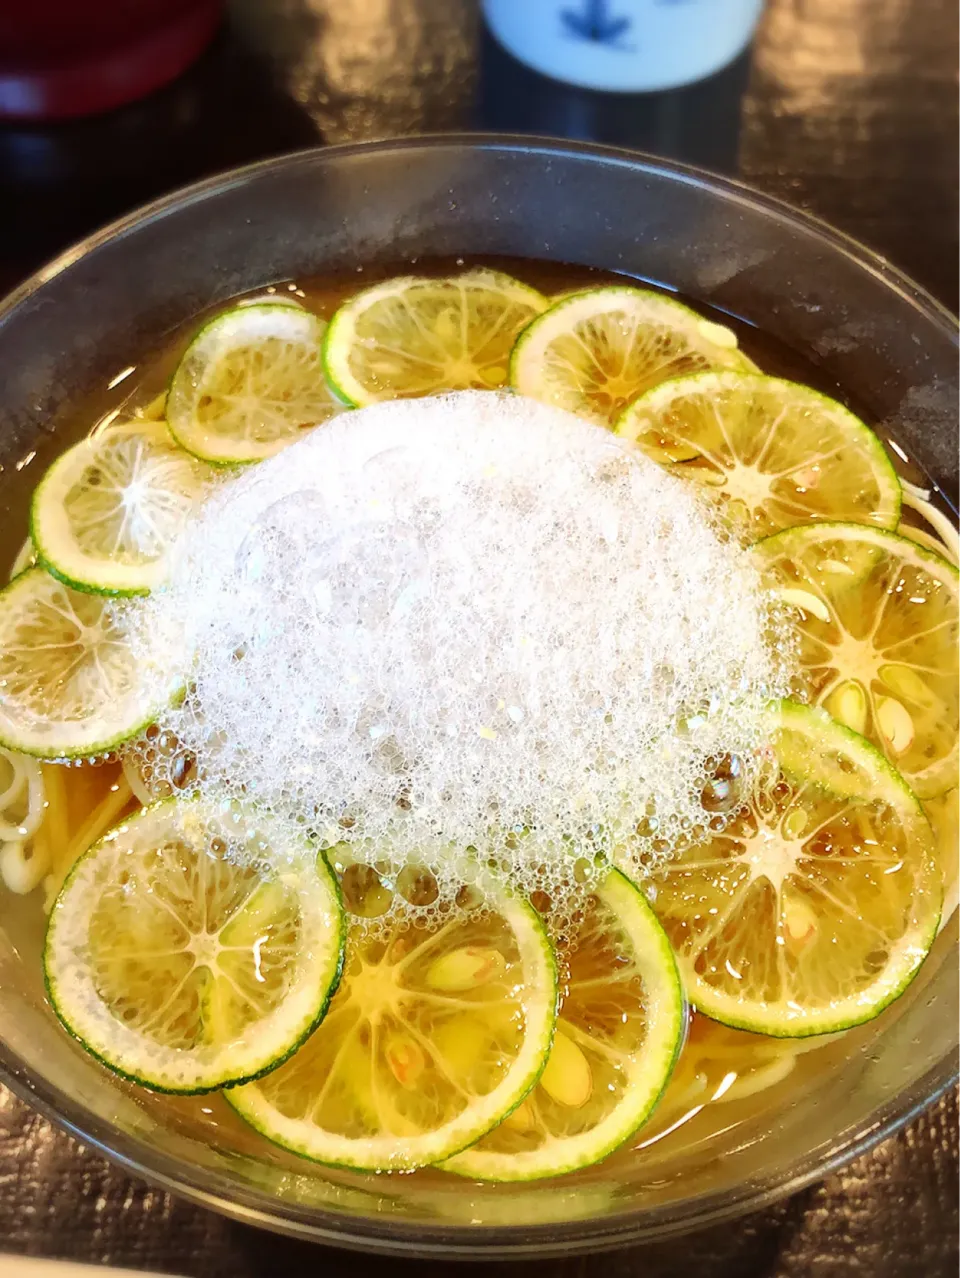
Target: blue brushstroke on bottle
point(595, 22)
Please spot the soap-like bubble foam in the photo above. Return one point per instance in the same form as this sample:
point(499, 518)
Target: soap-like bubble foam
point(462, 630)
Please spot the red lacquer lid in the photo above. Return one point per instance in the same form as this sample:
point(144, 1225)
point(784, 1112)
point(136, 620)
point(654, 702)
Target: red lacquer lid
point(63, 58)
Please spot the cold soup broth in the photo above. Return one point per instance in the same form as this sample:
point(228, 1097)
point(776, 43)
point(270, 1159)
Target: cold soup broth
point(482, 720)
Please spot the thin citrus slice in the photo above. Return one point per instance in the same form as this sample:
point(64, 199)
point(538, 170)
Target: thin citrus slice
point(439, 1029)
point(594, 351)
point(773, 452)
point(195, 945)
point(619, 1031)
point(410, 336)
point(72, 682)
point(877, 622)
point(813, 909)
point(107, 512)
point(250, 383)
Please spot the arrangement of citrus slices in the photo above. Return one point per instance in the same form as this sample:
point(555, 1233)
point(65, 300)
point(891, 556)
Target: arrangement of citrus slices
point(594, 352)
point(203, 945)
point(437, 1031)
point(619, 1031)
point(411, 336)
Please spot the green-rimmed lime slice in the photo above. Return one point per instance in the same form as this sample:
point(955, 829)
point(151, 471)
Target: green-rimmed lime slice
point(250, 383)
point(195, 945)
point(438, 1030)
point(619, 1032)
point(411, 336)
point(774, 453)
point(107, 512)
point(877, 620)
point(595, 351)
point(814, 908)
point(72, 680)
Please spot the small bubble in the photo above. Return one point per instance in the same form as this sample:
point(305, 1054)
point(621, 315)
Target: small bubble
point(722, 791)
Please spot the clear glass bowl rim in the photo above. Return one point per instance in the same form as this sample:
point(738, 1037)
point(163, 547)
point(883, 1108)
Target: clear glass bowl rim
point(397, 1237)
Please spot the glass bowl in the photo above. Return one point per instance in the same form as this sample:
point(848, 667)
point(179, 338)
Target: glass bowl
point(97, 308)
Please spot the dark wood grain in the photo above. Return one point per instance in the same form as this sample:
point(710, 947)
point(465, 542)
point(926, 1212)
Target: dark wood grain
point(846, 108)
point(851, 113)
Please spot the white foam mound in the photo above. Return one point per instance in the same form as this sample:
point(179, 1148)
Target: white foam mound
point(467, 622)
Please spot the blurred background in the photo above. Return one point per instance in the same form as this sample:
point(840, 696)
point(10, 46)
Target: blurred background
point(846, 108)
point(843, 107)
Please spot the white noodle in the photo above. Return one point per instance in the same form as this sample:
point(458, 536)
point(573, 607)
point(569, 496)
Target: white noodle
point(758, 1080)
point(924, 539)
point(135, 781)
point(22, 866)
point(28, 776)
point(26, 557)
point(918, 499)
point(24, 856)
point(18, 779)
point(154, 410)
point(96, 825)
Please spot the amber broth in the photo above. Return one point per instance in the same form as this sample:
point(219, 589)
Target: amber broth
point(724, 1078)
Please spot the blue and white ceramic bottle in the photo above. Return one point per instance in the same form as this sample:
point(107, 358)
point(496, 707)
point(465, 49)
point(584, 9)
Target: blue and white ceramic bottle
point(629, 46)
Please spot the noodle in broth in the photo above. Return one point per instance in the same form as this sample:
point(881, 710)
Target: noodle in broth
point(50, 814)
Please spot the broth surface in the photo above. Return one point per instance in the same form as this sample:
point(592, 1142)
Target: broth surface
point(726, 1080)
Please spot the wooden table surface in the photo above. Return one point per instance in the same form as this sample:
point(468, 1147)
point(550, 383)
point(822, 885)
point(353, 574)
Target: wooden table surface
point(846, 108)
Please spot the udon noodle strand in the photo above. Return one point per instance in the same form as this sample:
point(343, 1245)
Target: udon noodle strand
point(23, 798)
point(152, 411)
point(57, 819)
point(135, 781)
point(24, 852)
point(23, 864)
point(107, 812)
point(24, 558)
point(947, 540)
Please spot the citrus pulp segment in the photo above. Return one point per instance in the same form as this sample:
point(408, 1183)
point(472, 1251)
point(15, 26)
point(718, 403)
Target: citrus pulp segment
point(774, 453)
point(249, 384)
point(815, 906)
point(71, 682)
point(619, 1031)
point(107, 512)
point(594, 351)
point(438, 1030)
point(195, 945)
point(410, 336)
point(877, 623)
